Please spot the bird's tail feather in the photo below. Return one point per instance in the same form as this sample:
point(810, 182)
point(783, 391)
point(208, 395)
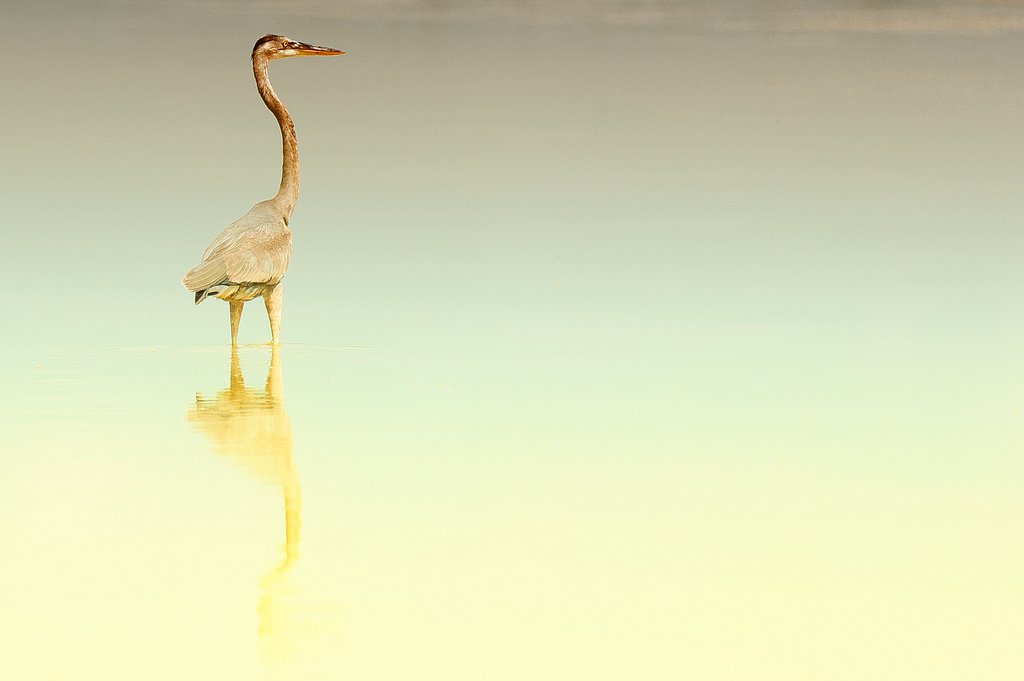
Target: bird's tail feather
point(207, 292)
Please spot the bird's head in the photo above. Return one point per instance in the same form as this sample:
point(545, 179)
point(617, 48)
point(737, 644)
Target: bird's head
point(278, 47)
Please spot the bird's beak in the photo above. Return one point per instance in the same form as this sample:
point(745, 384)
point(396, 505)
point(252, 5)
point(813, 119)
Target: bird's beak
point(305, 49)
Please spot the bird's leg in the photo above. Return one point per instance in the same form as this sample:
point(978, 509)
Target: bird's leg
point(273, 298)
point(236, 314)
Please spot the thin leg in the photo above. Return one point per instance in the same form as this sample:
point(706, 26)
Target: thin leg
point(273, 298)
point(236, 314)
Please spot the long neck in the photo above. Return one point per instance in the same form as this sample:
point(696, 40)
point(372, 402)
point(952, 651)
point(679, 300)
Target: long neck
point(288, 193)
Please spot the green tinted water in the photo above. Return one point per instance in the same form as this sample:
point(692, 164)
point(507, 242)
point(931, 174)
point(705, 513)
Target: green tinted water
point(679, 348)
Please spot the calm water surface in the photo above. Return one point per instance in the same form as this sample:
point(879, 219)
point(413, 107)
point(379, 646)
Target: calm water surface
point(622, 340)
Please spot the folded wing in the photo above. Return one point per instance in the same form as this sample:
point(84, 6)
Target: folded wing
point(252, 250)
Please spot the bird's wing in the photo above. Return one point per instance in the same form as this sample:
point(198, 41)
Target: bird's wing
point(261, 260)
point(253, 249)
point(205, 274)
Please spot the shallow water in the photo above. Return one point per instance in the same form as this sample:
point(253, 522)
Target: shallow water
point(623, 340)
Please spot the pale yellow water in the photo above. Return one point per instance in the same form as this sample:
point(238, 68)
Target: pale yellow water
point(622, 341)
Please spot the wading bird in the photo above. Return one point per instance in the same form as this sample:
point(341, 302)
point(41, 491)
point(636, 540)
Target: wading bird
point(249, 258)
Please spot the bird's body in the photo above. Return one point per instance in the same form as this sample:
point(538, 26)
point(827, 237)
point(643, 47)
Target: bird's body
point(250, 257)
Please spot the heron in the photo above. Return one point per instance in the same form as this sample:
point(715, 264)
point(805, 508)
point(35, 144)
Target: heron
point(249, 258)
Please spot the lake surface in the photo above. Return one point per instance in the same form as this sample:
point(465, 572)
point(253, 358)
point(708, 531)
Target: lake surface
point(621, 341)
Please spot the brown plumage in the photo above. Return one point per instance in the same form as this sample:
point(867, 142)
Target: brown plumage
point(250, 257)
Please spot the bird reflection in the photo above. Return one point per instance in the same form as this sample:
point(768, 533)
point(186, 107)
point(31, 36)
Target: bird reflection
point(251, 429)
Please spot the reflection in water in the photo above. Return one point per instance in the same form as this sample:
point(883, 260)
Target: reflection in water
point(251, 429)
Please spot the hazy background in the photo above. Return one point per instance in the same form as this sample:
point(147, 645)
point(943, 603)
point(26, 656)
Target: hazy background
point(647, 340)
